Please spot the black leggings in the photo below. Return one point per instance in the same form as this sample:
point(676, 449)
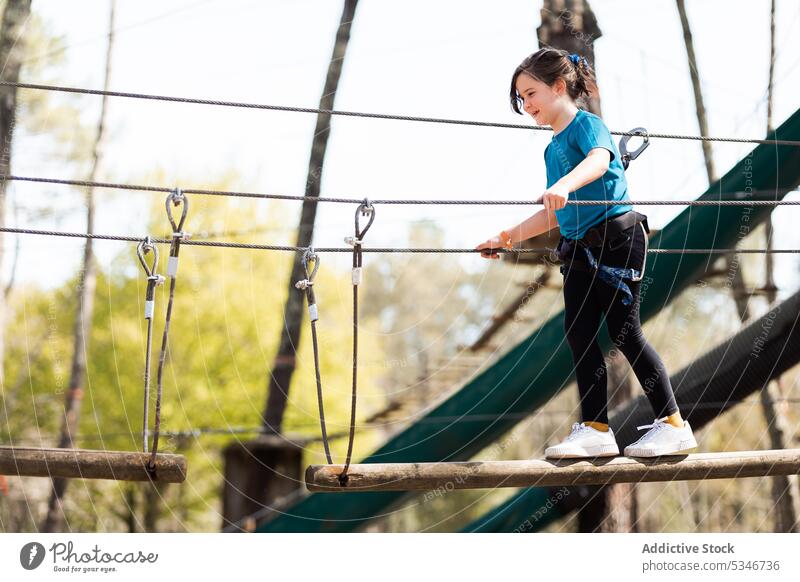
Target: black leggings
point(585, 298)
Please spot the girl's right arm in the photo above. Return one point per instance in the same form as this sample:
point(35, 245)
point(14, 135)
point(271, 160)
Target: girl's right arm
point(541, 222)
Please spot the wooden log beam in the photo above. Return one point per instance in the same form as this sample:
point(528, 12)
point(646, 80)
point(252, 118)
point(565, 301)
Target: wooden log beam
point(542, 472)
point(87, 464)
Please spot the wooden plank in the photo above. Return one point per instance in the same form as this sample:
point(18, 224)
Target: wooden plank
point(89, 464)
point(544, 472)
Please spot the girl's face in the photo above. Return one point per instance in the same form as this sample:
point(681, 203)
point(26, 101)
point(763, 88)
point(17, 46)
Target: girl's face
point(539, 100)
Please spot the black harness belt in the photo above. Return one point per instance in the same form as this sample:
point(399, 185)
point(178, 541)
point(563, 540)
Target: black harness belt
point(608, 233)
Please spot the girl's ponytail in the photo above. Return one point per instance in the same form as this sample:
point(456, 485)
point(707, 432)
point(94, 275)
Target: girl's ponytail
point(584, 77)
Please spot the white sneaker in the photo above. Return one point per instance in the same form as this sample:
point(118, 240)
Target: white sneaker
point(584, 441)
point(662, 439)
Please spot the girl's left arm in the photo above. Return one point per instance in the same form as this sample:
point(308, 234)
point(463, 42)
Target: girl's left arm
point(593, 166)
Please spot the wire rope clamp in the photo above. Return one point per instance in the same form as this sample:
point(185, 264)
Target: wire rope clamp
point(307, 284)
point(153, 279)
point(150, 302)
point(353, 241)
point(174, 199)
point(626, 155)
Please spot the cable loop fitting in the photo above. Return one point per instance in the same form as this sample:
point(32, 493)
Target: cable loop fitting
point(177, 198)
point(364, 209)
point(310, 256)
point(145, 246)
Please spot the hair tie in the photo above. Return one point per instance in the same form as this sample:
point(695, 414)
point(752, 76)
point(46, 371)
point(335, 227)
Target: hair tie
point(575, 58)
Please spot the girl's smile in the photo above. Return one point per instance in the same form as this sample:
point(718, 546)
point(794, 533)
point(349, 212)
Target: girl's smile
point(545, 104)
point(534, 95)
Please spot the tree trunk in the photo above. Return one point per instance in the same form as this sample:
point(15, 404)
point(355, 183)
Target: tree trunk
point(15, 15)
point(153, 494)
point(284, 364)
point(698, 94)
point(130, 506)
point(784, 487)
point(769, 288)
point(571, 25)
point(12, 49)
point(83, 316)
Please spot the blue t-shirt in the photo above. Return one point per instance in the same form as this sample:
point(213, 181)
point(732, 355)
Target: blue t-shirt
point(568, 149)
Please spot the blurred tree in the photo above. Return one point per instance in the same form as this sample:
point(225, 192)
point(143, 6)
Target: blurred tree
point(280, 377)
point(85, 305)
point(226, 309)
point(13, 44)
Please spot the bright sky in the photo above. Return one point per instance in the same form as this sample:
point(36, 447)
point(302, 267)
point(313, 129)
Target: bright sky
point(440, 59)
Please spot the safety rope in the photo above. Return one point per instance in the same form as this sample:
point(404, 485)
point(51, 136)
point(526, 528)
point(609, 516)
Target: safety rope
point(176, 198)
point(429, 201)
point(365, 209)
point(307, 285)
point(220, 103)
point(153, 280)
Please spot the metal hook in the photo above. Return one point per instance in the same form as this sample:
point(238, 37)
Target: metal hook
point(145, 246)
point(177, 197)
point(627, 156)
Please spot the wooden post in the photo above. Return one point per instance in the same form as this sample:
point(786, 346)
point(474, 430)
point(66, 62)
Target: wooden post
point(542, 473)
point(86, 464)
point(258, 475)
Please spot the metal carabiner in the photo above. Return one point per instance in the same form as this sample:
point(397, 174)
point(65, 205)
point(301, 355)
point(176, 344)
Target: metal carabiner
point(627, 156)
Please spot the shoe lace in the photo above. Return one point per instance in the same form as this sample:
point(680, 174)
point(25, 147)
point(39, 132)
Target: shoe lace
point(655, 427)
point(578, 428)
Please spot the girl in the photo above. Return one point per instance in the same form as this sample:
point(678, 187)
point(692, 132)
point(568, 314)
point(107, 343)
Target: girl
point(604, 251)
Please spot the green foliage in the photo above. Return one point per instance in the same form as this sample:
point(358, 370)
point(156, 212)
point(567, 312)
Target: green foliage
point(225, 327)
